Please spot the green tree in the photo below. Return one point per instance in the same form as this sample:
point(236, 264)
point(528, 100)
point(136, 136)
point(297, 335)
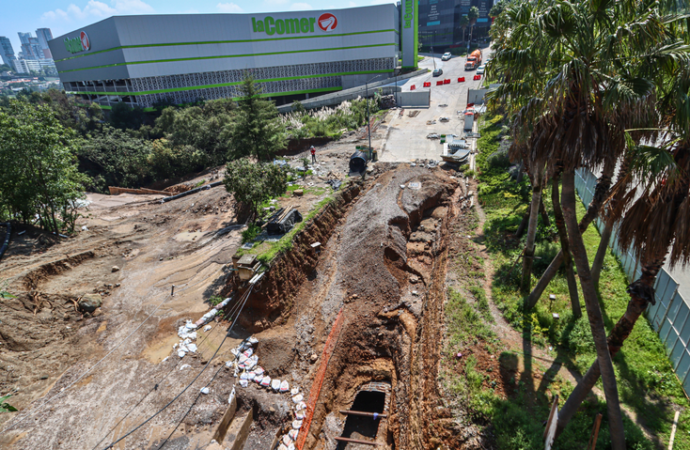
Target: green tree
point(472, 16)
point(497, 9)
point(39, 180)
point(257, 131)
point(253, 183)
point(464, 23)
point(123, 116)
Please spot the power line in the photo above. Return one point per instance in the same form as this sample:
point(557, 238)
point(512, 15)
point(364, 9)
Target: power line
point(243, 300)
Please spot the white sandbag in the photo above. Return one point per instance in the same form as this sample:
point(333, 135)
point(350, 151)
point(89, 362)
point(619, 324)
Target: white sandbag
point(293, 434)
point(252, 340)
point(258, 379)
point(266, 381)
point(284, 386)
point(300, 406)
point(207, 328)
point(287, 440)
point(205, 390)
point(300, 415)
point(259, 370)
point(248, 353)
point(243, 359)
point(282, 447)
point(298, 398)
point(229, 364)
point(291, 447)
point(294, 391)
point(190, 325)
point(234, 351)
point(244, 383)
point(275, 385)
point(296, 424)
point(192, 348)
point(192, 336)
point(185, 366)
point(181, 354)
point(232, 396)
point(244, 376)
point(182, 348)
point(251, 362)
point(251, 375)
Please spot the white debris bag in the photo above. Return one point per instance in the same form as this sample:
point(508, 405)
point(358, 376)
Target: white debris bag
point(185, 366)
point(298, 398)
point(259, 379)
point(259, 370)
point(287, 440)
point(296, 424)
point(293, 434)
point(299, 415)
point(294, 391)
point(251, 362)
point(207, 328)
point(248, 353)
point(244, 376)
point(205, 391)
point(181, 354)
point(252, 340)
point(190, 325)
point(284, 386)
point(266, 381)
point(232, 395)
point(244, 383)
point(282, 447)
point(251, 375)
point(229, 364)
point(275, 385)
point(192, 348)
point(300, 406)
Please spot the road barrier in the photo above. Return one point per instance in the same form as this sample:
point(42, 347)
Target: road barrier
point(427, 84)
point(477, 77)
point(669, 317)
point(413, 87)
point(461, 80)
point(439, 83)
point(446, 81)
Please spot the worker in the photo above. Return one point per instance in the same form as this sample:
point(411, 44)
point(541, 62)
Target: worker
point(313, 155)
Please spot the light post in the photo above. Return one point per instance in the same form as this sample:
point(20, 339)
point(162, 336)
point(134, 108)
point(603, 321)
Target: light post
point(366, 96)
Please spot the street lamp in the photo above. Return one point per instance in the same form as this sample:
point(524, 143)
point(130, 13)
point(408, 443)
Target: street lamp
point(366, 96)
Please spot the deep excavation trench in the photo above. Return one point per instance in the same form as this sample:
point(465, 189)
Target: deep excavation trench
point(384, 265)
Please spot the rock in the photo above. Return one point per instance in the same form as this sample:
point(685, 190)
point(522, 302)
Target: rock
point(115, 269)
point(314, 357)
point(298, 192)
point(90, 302)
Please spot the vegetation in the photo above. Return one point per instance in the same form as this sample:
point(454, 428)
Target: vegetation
point(4, 406)
point(641, 367)
point(39, 180)
point(253, 183)
point(328, 122)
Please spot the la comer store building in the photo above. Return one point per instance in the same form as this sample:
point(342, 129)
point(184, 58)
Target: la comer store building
point(141, 60)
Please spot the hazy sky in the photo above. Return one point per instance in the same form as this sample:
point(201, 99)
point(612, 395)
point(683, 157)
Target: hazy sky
point(63, 16)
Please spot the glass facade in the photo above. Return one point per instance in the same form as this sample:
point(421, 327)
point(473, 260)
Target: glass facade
point(439, 22)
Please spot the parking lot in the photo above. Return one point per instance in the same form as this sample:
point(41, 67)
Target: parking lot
point(406, 139)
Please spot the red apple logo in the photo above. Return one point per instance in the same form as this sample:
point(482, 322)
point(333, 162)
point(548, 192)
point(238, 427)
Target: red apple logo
point(327, 22)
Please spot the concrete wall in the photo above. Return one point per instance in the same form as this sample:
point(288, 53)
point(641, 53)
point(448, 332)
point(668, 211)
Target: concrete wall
point(418, 99)
point(351, 94)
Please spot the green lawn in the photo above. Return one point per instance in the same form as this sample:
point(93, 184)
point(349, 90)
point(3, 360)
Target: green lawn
point(646, 382)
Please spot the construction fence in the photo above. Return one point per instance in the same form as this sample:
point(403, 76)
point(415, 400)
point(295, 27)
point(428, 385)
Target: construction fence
point(669, 316)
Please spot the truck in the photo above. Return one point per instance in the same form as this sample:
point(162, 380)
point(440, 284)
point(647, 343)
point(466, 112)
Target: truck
point(474, 60)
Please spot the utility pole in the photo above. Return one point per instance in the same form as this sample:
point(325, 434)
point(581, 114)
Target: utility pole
point(368, 118)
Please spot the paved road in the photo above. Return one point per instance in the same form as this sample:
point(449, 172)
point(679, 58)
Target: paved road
point(407, 140)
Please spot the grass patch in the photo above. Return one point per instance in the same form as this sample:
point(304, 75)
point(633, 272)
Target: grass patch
point(641, 366)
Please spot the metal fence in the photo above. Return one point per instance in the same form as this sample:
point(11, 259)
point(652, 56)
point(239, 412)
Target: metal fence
point(669, 316)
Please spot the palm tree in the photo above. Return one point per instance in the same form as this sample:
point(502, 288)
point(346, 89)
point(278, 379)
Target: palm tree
point(472, 15)
point(464, 22)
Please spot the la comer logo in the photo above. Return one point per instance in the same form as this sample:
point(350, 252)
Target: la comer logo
point(327, 22)
point(78, 44)
point(306, 25)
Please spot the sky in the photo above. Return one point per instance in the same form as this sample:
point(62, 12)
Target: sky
point(63, 16)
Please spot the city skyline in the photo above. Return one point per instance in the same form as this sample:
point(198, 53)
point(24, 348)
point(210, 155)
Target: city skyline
point(63, 16)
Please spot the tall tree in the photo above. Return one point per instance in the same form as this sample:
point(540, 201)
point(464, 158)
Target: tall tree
point(39, 180)
point(257, 131)
point(472, 15)
point(252, 184)
point(464, 23)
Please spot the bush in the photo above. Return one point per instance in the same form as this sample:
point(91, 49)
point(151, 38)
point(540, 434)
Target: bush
point(544, 253)
point(498, 159)
point(250, 233)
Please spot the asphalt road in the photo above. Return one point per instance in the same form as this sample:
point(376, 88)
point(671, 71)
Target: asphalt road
point(406, 140)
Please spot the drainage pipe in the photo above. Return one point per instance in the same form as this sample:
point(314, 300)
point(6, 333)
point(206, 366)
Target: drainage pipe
point(7, 239)
point(191, 191)
point(356, 441)
point(361, 413)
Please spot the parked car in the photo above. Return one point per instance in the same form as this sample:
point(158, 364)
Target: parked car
point(446, 56)
point(437, 73)
point(480, 70)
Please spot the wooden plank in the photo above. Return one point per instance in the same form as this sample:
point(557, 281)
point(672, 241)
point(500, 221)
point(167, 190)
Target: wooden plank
point(673, 430)
point(550, 431)
point(362, 413)
point(357, 441)
point(595, 433)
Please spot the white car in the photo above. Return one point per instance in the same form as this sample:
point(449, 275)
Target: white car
point(446, 56)
point(480, 70)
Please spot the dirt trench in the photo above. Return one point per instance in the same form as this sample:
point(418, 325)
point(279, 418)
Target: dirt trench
point(384, 266)
point(272, 301)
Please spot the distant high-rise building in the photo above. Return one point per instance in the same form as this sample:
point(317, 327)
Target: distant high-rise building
point(6, 51)
point(26, 65)
point(45, 35)
point(31, 46)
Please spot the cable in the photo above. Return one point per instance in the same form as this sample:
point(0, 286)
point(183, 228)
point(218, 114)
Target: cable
point(154, 388)
point(244, 301)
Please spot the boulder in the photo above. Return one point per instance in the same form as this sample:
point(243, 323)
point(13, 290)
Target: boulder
point(298, 192)
point(90, 302)
point(115, 269)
